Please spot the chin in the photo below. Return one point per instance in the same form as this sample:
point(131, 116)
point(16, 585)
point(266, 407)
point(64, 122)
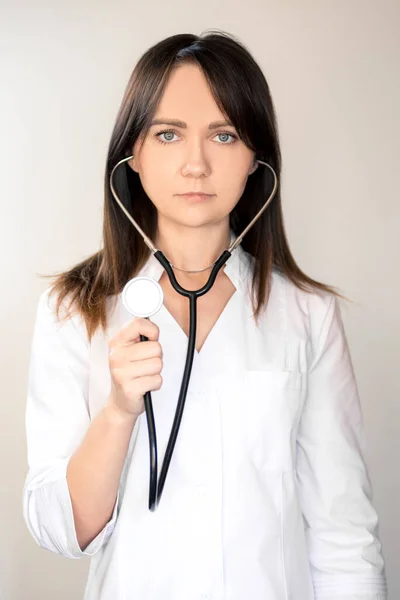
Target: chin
point(194, 222)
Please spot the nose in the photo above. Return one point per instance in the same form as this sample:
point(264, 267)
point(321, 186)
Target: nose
point(195, 163)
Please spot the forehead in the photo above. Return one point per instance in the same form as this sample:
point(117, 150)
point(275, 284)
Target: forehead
point(187, 96)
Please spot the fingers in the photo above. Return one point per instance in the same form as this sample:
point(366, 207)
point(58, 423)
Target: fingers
point(134, 370)
point(131, 332)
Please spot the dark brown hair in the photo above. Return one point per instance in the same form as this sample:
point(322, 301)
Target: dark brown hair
point(242, 94)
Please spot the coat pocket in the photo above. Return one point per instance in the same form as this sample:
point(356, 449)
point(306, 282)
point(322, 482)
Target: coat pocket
point(271, 412)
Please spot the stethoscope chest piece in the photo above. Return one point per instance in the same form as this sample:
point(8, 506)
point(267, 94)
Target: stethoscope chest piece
point(142, 297)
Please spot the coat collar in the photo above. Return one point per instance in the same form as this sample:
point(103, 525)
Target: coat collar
point(238, 268)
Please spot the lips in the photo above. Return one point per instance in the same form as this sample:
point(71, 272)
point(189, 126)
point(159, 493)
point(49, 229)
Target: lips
point(193, 197)
point(195, 194)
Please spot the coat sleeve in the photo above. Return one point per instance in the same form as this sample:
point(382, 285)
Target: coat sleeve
point(334, 487)
point(57, 418)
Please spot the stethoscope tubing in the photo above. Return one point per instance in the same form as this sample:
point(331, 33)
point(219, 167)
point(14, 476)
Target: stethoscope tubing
point(157, 485)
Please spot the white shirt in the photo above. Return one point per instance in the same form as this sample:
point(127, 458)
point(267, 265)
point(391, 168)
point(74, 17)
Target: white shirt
point(267, 495)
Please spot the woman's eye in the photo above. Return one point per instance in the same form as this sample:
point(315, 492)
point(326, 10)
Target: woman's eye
point(227, 135)
point(169, 134)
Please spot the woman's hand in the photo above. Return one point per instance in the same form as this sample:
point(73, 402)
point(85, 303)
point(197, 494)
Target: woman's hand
point(135, 366)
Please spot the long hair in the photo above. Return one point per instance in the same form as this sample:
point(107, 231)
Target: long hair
point(243, 96)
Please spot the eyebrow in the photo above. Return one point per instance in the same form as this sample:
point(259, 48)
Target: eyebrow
point(183, 125)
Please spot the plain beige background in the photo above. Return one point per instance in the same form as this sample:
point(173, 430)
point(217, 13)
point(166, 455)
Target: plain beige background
point(333, 68)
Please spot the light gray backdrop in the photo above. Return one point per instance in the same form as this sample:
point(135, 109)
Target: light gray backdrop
point(333, 68)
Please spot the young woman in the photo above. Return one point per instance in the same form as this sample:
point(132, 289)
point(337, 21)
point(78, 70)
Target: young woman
point(267, 494)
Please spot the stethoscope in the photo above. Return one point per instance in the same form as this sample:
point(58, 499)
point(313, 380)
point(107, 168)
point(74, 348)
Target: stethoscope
point(143, 297)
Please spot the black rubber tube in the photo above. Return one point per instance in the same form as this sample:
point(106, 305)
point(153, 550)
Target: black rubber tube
point(156, 486)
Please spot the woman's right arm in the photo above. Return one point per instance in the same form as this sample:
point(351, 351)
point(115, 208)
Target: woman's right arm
point(94, 471)
point(71, 468)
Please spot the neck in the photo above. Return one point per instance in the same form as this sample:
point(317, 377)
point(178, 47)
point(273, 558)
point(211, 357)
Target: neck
point(192, 248)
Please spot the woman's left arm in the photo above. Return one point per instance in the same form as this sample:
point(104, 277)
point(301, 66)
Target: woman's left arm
point(335, 491)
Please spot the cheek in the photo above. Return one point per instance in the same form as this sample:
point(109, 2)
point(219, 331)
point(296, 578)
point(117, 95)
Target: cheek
point(155, 190)
point(232, 184)
point(156, 178)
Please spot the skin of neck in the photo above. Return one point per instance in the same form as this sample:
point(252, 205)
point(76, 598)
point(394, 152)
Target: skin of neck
point(192, 248)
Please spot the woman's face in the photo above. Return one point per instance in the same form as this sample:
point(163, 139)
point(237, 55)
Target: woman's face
point(191, 157)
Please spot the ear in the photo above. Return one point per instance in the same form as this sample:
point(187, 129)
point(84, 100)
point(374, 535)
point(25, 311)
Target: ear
point(254, 166)
point(133, 164)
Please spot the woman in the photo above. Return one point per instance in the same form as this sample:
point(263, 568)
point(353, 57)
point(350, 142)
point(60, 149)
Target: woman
point(267, 494)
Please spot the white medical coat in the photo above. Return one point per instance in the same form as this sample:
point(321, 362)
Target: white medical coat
point(267, 496)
